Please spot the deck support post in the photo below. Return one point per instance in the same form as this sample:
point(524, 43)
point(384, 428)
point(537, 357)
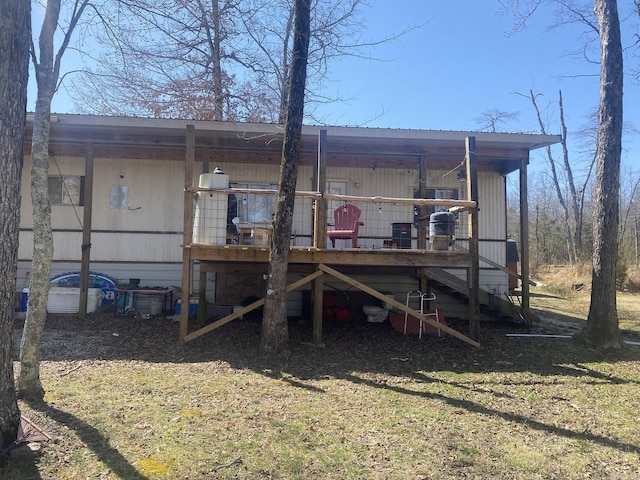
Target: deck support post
point(187, 236)
point(524, 233)
point(474, 271)
point(86, 231)
point(319, 232)
point(202, 283)
point(422, 220)
point(320, 204)
point(317, 291)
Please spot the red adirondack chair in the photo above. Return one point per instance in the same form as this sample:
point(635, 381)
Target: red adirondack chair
point(346, 221)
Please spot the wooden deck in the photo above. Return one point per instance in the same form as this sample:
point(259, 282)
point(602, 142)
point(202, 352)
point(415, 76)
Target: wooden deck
point(315, 263)
point(318, 260)
point(381, 257)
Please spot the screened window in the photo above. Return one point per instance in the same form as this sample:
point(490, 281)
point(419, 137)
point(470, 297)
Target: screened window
point(444, 193)
point(423, 213)
point(254, 208)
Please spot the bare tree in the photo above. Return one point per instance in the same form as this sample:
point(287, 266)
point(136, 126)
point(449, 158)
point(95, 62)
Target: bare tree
point(223, 59)
point(601, 329)
point(169, 58)
point(46, 63)
point(15, 33)
point(334, 29)
point(572, 234)
point(627, 236)
point(275, 335)
point(489, 120)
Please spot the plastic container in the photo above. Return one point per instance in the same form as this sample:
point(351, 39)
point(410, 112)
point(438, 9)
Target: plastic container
point(193, 306)
point(96, 280)
point(148, 304)
point(67, 300)
point(401, 234)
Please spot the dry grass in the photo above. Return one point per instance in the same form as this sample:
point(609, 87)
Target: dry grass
point(560, 296)
point(372, 404)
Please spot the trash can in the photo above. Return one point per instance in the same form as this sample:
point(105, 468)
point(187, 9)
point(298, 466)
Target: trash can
point(401, 234)
point(512, 263)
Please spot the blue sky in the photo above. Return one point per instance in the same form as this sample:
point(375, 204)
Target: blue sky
point(459, 64)
point(463, 63)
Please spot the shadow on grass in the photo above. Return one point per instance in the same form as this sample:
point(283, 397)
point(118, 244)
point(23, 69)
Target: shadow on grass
point(93, 440)
point(562, 317)
point(350, 350)
point(356, 346)
point(510, 417)
point(22, 465)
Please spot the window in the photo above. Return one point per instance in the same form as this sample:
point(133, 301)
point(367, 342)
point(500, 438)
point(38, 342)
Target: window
point(444, 193)
point(254, 208)
point(337, 187)
point(435, 193)
point(66, 190)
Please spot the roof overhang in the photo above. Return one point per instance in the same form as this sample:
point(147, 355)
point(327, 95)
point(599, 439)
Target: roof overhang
point(235, 142)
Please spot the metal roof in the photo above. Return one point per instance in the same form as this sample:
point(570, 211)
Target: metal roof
point(135, 137)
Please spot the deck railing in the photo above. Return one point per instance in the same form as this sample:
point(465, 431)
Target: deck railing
point(243, 216)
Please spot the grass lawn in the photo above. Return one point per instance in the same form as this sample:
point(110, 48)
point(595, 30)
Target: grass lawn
point(371, 404)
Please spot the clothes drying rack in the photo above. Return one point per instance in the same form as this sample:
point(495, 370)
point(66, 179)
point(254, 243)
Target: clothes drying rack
point(422, 298)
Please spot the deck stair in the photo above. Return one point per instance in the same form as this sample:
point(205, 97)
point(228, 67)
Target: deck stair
point(491, 305)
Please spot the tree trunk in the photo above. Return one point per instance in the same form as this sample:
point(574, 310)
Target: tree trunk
point(218, 114)
point(15, 35)
point(601, 329)
point(275, 334)
point(575, 204)
point(286, 67)
point(28, 384)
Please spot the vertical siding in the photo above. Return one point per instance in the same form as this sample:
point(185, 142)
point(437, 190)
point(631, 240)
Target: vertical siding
point(492, 215)
point(143, 240)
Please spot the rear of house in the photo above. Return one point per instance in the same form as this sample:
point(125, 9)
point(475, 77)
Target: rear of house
point(138, 210)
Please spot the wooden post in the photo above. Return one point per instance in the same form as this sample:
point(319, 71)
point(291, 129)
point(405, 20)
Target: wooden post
point(320, 211)
point(317, 289)
point(524, 233)
point(474, 273)
point(423, 221)
point(86, 232)
point(187, 235)
point(319, 232)
point(202, 290)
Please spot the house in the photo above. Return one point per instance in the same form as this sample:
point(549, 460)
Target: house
point(135, 174)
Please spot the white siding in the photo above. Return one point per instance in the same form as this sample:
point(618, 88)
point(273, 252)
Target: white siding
point(144, 239)
point(491, 200)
